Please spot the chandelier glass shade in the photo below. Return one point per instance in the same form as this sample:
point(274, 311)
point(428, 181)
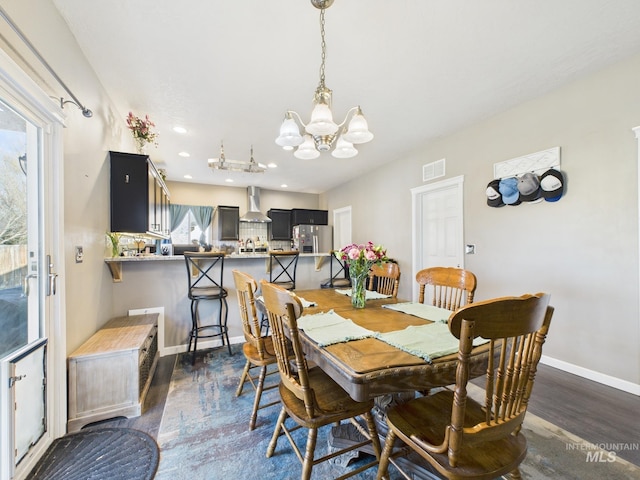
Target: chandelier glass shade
point(222, 163)
point(322, 134)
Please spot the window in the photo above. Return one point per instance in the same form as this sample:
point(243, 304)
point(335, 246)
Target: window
point(189, 232)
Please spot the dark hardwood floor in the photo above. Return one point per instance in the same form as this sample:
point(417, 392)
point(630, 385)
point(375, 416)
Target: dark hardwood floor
point(594, 412)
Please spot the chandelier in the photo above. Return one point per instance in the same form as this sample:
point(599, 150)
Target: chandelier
point(222, 163)
point(322, 133)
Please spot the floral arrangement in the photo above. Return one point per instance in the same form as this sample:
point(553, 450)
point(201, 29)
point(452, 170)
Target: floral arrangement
point(141, 129)
point(360, 258)
point(114, 243)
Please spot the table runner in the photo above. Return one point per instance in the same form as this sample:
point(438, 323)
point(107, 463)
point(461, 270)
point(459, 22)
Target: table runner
point(327, 328)
point(368, 295)
point(426, 341)
point(428, 312)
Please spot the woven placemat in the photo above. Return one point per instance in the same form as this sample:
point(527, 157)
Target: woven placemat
point(100, 454)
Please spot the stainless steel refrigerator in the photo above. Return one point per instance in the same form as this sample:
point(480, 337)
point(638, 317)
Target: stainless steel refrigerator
point(313, 238)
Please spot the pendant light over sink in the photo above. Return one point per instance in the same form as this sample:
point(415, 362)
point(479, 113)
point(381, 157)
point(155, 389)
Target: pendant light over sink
point(322, 133)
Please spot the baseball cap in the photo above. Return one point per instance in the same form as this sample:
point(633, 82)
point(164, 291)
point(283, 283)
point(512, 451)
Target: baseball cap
point(529, 187)
point(494, 198)
point(509, 189)
point(552, 185)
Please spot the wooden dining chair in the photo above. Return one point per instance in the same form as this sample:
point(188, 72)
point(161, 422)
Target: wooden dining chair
point(449, 287)
point(459, 436)
point(258, 349)
point(385, 279)
point(309, 396)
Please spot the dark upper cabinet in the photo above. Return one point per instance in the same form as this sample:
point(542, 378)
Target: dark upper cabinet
point(228, 223)
point(139, 197)
point(303, 216)
point(280, 226)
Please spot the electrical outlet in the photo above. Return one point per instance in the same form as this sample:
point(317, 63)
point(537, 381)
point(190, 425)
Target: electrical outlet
point(79, 254)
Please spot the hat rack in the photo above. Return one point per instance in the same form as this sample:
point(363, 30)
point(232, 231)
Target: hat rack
point(538, 163)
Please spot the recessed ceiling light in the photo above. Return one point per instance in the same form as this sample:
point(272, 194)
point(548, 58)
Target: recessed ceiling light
point(284, 185)
point(179, 129)
point(184, 154)
point(229, 180)
point(188, 176)
point(272, 165)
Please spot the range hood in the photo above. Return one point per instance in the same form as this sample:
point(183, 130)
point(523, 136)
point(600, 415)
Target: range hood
point(254, 215)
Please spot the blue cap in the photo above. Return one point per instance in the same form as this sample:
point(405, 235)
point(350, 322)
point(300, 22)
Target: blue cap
point(509, 190)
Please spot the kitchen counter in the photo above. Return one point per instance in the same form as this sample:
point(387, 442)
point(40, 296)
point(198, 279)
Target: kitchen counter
point(115, 263)
point(157, 283)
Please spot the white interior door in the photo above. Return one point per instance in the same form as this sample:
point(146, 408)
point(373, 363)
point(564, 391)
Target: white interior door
point(438, 226)
point(341, 227)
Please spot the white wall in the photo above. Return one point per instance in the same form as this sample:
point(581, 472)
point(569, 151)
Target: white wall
point(86, 143)
point(583, 250)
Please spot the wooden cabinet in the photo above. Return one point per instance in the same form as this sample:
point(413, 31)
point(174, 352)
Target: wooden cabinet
point(303, 216)
point(228, 225)
point(280, 226)
point(110, 374)
point(139, 197)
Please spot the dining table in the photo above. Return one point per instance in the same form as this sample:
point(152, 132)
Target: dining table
point(370, 367)
point(356, 348)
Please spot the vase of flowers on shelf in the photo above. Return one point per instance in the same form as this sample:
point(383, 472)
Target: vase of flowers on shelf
point(141, 130)
point(114, 243)
point(360, 259)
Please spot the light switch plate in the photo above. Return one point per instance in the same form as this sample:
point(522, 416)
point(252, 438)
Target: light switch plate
point(470, 249)
point(79, 254)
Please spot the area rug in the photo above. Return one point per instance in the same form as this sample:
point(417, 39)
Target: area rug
point(99, 454)
point(204, 434)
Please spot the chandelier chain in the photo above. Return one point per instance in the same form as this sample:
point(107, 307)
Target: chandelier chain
point(324, 50)
point(322, 134)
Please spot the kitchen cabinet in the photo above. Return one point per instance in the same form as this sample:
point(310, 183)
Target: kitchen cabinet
point(303, 216)
point(228, 223)
point(280, 226)
point(139, 197)
point(110, 374)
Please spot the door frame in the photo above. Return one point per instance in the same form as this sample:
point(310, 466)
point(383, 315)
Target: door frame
point(18, 89)
point(417, 223)
point(341, 217)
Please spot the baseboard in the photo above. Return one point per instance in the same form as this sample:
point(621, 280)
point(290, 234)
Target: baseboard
point(602, 378)
point(202, 345)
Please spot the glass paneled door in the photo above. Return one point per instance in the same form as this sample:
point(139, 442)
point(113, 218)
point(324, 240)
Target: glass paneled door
point(26, 280)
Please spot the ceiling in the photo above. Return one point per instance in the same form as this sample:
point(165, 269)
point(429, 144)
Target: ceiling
point(420, 69)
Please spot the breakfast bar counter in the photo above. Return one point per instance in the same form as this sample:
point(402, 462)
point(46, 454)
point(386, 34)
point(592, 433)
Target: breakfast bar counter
point(158, 283)
point(115, 264)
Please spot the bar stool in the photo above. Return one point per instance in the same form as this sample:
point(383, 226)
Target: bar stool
point(204, 274)
point(282, 272)
point(282, 268)
point(338, 273)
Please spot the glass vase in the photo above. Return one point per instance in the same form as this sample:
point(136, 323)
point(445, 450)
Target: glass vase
point(141, 145)
point(358, 289)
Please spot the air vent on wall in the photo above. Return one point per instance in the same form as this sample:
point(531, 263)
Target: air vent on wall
point(433, 170)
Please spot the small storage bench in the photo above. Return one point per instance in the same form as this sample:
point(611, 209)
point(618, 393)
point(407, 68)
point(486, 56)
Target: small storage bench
point(110, 374)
